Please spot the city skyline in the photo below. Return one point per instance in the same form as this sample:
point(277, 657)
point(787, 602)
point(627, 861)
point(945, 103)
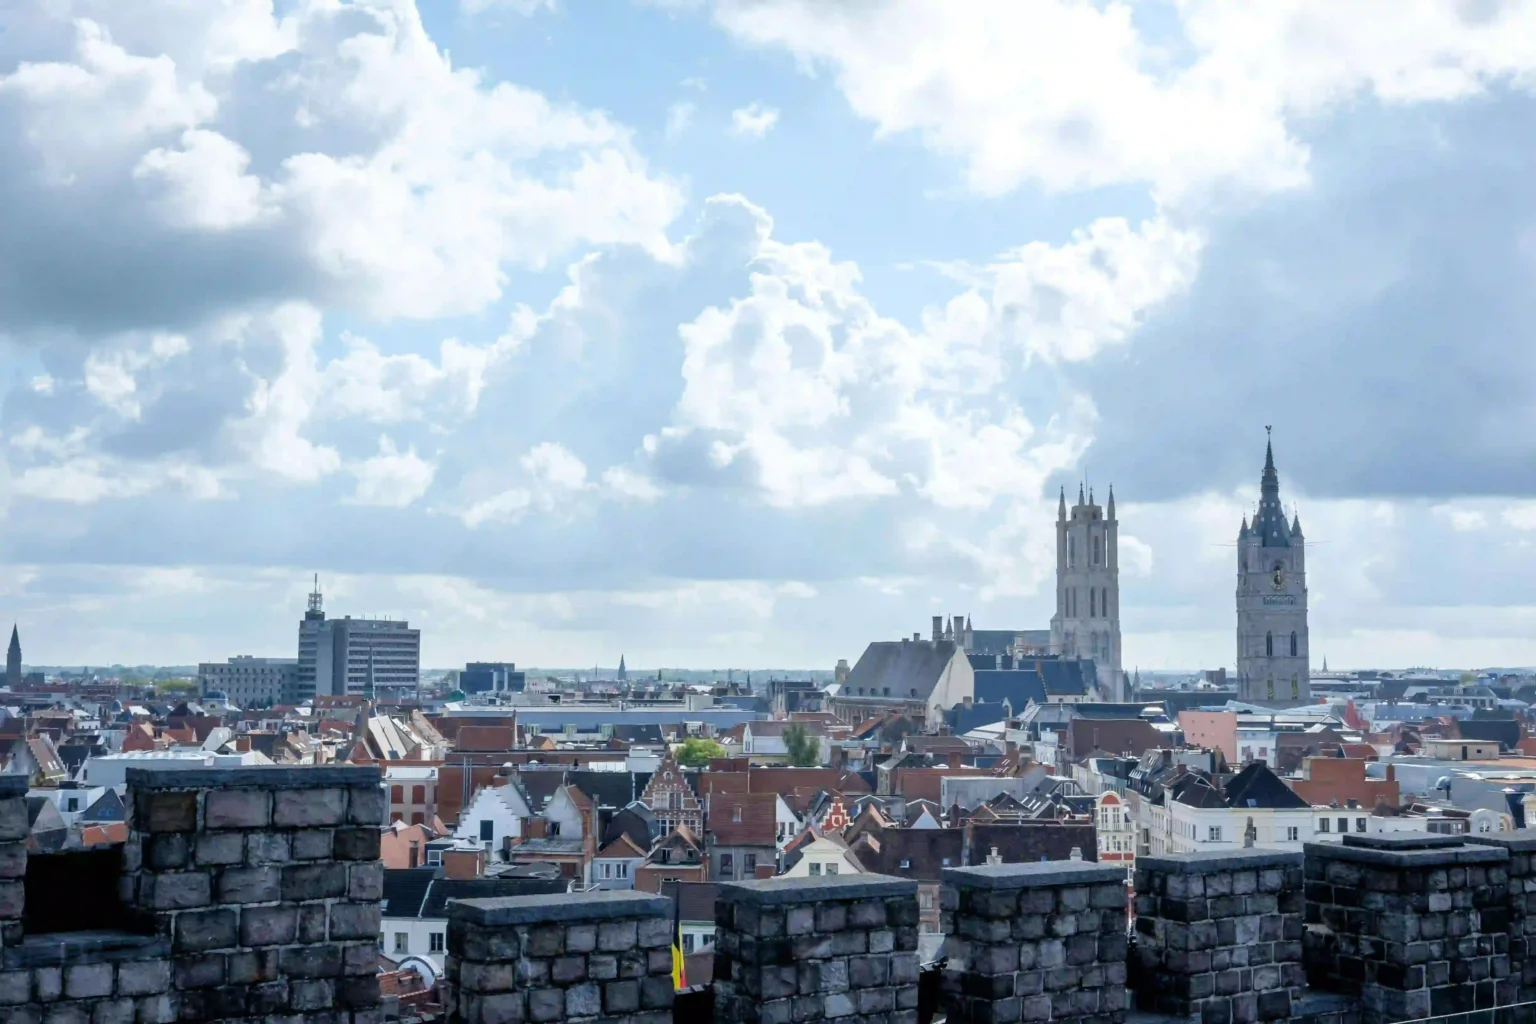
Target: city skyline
point(689, 331)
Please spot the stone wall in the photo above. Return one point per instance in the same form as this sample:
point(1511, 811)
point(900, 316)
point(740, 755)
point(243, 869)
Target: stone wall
point(812, 949)
point(1036, 942)
point(1416, 924)
point(266, 883)
point(594, 956)
point(1218, 935)
point(1520, 901)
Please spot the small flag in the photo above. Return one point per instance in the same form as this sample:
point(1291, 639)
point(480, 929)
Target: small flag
point(679, 974)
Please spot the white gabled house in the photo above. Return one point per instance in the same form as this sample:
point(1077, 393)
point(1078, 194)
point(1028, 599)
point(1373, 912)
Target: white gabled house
point(494, 815)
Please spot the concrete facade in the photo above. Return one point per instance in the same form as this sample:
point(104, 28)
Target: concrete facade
point(249, 682)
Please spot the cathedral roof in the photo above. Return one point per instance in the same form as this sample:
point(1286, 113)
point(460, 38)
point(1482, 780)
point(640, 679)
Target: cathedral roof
point(1269, 522)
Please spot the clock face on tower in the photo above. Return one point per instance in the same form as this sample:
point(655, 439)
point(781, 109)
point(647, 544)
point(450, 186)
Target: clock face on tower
point(1277, 578)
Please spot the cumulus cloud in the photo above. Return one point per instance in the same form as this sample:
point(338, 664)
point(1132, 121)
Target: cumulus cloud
point(754, 120)
point(1069, 96)
point(392, 478)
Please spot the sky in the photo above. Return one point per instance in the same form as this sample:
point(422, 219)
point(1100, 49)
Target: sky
point(733, 333)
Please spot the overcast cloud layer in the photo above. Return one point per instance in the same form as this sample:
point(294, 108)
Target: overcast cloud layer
point(746, 332)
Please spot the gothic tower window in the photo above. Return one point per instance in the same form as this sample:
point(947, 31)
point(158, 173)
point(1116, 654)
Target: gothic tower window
point(1096, 551)
point(1293, 643)
point(1295, 687)
point(1269, 645)
point(1093, 603)
point(1271, 688)
point(1071, 552)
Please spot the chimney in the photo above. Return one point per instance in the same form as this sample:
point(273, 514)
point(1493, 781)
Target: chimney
point(994, 857)
point(938, 628)
point(959, 629)
point(1076, 854)
point(464, 864)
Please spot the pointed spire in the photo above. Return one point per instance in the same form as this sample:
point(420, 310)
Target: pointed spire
point(1061, 504)
point(1111, 509)
point(1090, 495)
point(1244, 531)
point(1080, 493)
point(1296, 524)
point(1270, 483)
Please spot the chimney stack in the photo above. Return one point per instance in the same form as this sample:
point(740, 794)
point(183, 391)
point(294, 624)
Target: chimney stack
point(463, 864)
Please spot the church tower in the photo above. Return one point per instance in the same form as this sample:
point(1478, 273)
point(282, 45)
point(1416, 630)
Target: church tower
point(1087, 619)
point(13, 660)
point(1272, 644)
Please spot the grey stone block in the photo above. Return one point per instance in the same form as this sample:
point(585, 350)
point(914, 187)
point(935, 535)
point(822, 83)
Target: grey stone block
point(167, 851)
point(15, 987)
point(236, 808)
point(359, 843)
point(322, 960)
point(618, 997)
point(198, 931)
point(563, 970)
point(365, 881)
point(366, 805)
point(250, 885)
point(251, 966)
point(267, 848)
point(198, 971)
point(312, 844)
point(617, 936)
point(311, 994)
point(48, 984)
point(268, 926)
point(177, 890)
point(219, 849)
point(157, 1009)
point(313, 881)
point(546, 1004)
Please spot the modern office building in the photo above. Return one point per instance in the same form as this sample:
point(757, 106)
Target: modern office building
point(249, 682)
point(354, 657)
point(492, 677)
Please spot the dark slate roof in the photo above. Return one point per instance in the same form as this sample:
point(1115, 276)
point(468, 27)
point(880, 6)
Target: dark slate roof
point(900, 666)
point(991, 642)
point(639, 734)
point(108, 807)
point(539, 784)
point(1505, 730)
point(962, 718)
point(1257, 786)
point(441, 890)
point(608, 789)
point(1017, 686)
point(635, 821)
point(405, 889)
point(1269, 522)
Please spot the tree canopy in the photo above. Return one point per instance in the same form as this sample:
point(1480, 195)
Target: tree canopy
point(697, 752)
point(804, 749)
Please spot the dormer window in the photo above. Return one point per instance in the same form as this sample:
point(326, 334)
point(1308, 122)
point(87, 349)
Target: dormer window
point(735, 813)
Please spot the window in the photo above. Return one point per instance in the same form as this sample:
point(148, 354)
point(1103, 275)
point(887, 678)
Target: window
point(749, 862)
point(1359, 824)
point(74, 804)
point(1213, 833)
point(554, 829)
point(925, 901)
point(832, 868)
point(418, 794)
point(1096, 549)
point(1293, 643)
point(415, 853)
point(687, 943)
point(1322, 825)
point(727, 864)
point(607, 870)
point(402, 942)
point(674, 801)
point(434, 857)
point(436, 944)
point(1269, 645)
point(1093, 602)
point(621, 870)
point(905, 864)
point(946, 862)
point(397, 794)
point(487, 830)
point(1343, 825)
point(815, 870)
point(735, 813)
point(1293, 833)
point(1071, 551)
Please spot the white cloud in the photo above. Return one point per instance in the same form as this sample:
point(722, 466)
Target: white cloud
point(625, 483)
point(1463, 520)
point(679, 118)
point(204, 182)
point(392, 478)
point(1135, 557)
point(555, 466)
point(1070, 95)
point(754, 120)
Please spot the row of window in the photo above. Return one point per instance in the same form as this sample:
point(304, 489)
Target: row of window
point(816, 870)
point(1098, 551)
point(1323, 824)
point(397, 794)
point(1098, 603)
point(615, 870)
point(403, 942)
point(1269, 644)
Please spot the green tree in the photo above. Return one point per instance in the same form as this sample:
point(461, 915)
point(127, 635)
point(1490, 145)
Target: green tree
point(804, 749)
point(696, 752)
